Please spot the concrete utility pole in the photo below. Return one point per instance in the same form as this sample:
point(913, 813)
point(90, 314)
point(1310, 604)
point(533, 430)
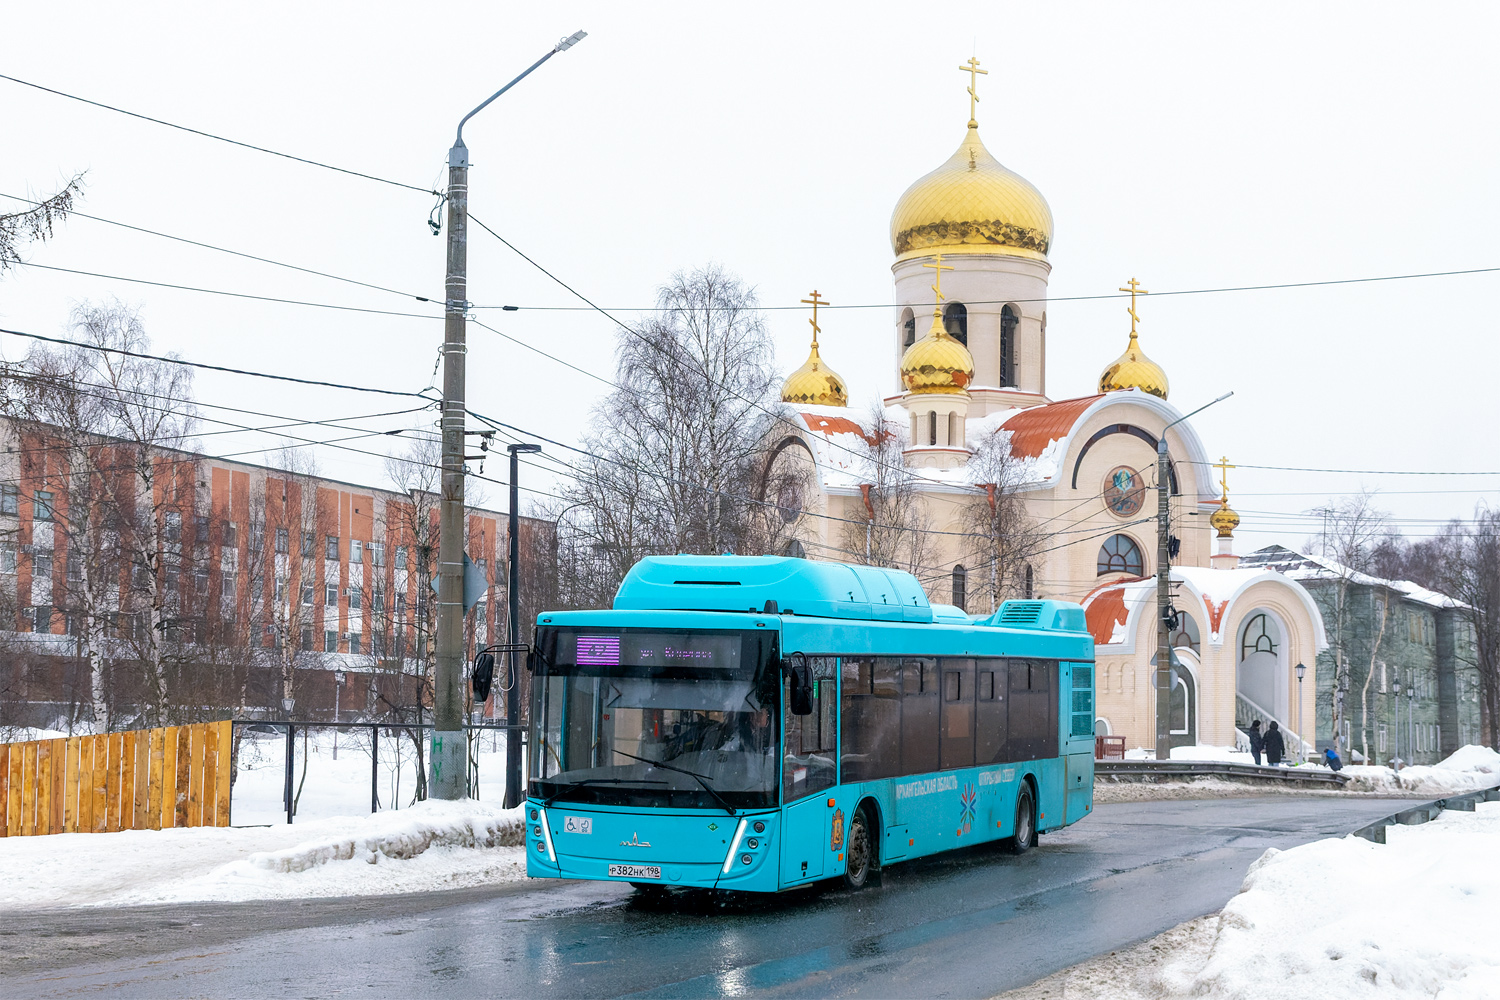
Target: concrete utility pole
point(446, 768)
point(1164, 587)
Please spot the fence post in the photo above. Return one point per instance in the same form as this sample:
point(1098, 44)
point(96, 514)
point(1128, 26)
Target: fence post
point(291, 749)
point(374, 769)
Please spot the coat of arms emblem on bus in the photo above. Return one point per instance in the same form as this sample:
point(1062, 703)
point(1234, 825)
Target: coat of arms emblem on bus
point(968, 810)
point(836, 839)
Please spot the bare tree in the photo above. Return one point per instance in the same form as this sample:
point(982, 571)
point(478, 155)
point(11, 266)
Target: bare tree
point(1004, 537)
point(35, 223)
point(1352, 532)
point(1473, 577)
point(149, 407)
point(889, 526)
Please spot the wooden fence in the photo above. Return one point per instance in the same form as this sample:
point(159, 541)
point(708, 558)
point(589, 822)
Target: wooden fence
point(147, 779)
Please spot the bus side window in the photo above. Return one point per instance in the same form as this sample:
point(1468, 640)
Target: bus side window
point(811, 740)
point(919, 715)
point(989, 713)
point(871, 718)
point(957, 743)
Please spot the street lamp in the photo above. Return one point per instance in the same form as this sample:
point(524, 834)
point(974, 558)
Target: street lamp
point(513, 599)
point(446, 765)
point(1411, 716)
point(1396, 725)
point(1163, 587)
point(338, 686)
point(1301, 671)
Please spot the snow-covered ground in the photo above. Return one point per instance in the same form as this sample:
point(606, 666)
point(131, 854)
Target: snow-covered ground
point(1338, 919)
point(431, 845)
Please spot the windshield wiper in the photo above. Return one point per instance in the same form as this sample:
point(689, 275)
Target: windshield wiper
point(574, 785)
point(701, 779)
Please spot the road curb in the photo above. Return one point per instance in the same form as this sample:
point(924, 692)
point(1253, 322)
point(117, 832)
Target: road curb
point(1153, 771)
point(1426, 813)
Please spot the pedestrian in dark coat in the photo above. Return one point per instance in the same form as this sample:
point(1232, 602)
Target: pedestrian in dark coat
point(1257, 741)
point(1331, 758)
point(1275, 745)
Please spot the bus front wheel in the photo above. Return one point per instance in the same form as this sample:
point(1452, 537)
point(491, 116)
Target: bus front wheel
point(857, 852)
point(1025, 838)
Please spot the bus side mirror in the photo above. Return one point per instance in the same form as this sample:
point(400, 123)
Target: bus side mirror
point(531, 659)
point(800, 675)
point(483, 676)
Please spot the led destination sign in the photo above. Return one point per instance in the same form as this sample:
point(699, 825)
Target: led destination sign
point(649, 649)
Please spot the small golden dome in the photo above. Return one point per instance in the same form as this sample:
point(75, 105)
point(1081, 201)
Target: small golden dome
point(1224, 519)
point(937, 363)
point(1133, 370)
point(815, 383)
point(972, 204)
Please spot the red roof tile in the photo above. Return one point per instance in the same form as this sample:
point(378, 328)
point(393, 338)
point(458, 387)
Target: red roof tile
point(1104, 612)
point(1033, 429)
point(835, 425)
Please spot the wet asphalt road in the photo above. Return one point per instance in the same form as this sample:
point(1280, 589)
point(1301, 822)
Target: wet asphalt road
point(969, 924)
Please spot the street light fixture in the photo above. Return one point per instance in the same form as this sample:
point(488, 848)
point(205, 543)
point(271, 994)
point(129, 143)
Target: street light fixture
point(338, 686)
point(1164, 586)
point(1396, 737)
point(447, 769)
point(1411, 719)
point(513, 600)
point(1301, 671)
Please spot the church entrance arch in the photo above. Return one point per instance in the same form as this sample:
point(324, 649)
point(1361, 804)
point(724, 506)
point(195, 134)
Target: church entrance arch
point(1260, 678)
point(1182, 703)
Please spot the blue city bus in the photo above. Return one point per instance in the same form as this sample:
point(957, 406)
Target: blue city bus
point(763, 723)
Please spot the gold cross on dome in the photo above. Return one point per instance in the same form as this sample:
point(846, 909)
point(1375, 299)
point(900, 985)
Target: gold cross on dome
point(1223, 466)
point(815, 301)
point(938, 267)
point(972, 68)
point(1134, 290)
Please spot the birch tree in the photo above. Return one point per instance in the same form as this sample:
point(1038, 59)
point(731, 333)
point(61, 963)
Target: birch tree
point(1003, 536)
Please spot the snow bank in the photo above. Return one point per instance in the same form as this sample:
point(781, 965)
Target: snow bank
point(431, 845)
point(1465, 770)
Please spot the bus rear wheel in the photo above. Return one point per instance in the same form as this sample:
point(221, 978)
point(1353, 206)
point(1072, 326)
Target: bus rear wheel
point(858, 854)
point(1025, 837)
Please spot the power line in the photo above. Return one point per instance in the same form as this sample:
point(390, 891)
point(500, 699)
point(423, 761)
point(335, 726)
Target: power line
point(235, 253)
point(233, 295)
point(1049, 298)
point(216, 368)
point(220, 138)
point(1358, 472)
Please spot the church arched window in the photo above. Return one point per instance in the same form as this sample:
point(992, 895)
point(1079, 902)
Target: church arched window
point(1010, 320)
point(908, 328)
point(794, 549)
point(1120, 554)
point(1259, 637)
point(960, 587)
point(956, 322)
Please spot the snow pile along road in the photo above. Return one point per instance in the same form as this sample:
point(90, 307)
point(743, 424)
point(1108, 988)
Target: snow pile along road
point(432, 845)
point(1465, 770)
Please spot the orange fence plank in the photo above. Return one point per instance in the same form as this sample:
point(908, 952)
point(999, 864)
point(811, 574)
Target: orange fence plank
point(158, 766)
point(70, 787)
point(195, 777)
point(85, 784)
point(170, 736)
point(44, 787)
point(142, 779)
point(224, 772)
point(13, 800)
point(5, 790)
point(59, 771)
point(127, 780)
point(209, 780)
point(184, 773)
point(28, 789)
point(101, 783)
point(113, 780)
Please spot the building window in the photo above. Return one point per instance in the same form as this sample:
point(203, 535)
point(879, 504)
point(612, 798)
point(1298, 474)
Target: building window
point(354, 643)
point(10, 500)
point(258, 537)
point(1030, 583)
point(908, 328)
point(7, 558)
point(956, 321)
point(331, 595)
point(307, 597)
point(74, 569)
point(330, 642)
point(43, 618)
point(200, 528)
point(41, 502)
point(309, 544)
point(932, 428)
point(1120, 554)
point(1010, 319)
point(1258, 637)
point(356, 550)
point(200, 582)
point(283, 541)
point(377, 554)
point(355, 598)
point(41, 566)
point(231, 535)
point(306, 639)
point(960, 588)
point(401, 557)
point(331, 548)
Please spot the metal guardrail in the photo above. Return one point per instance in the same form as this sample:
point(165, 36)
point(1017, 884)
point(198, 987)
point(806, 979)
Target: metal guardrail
point(1426, 812)
point(1167, 769)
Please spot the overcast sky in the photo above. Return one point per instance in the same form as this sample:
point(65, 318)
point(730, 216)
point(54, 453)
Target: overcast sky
point(1189, 145)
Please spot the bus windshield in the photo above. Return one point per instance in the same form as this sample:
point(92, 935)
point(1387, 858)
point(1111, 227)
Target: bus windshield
point(610, 705)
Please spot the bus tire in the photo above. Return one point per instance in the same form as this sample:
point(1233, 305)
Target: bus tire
point(859, 851)
point(1025, 835)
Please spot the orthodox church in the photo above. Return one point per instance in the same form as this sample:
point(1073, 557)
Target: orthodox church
point(973, 432)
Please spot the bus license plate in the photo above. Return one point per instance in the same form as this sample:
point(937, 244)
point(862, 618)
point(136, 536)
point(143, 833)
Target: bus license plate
point(635, 871)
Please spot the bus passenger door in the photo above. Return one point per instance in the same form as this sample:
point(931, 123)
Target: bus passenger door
point(809, 770)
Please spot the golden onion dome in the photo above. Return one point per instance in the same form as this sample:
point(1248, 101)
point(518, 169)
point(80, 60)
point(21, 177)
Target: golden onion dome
point(937, 363)
point(972, 204)
point(815, 383)
point(1224, 519)
point(1133, 370)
